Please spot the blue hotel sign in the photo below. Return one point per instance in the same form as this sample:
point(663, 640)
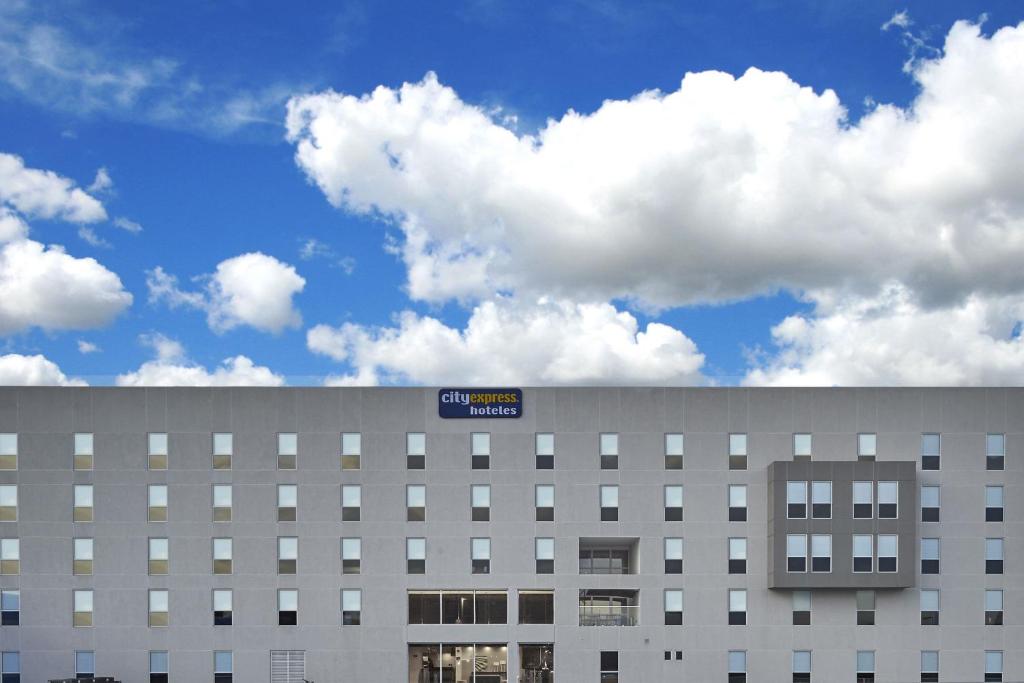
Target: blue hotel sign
point(458, 403)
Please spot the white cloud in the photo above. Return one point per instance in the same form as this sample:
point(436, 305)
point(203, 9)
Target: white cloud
point(550, 342)
point(45, 287)
point(89, 236)
point(899, 19)
point(12, 227)
point(85, 347)
point(171, 367)
point(127, 225)
point(721, 190)
point(311, 248)
point(44, 194)
point(890, 339)
point(102, 182)
point(252, 289)
point(19, 370)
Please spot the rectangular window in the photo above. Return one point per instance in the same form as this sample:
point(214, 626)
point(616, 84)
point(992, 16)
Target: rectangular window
point(796, 553)
point(609, 503)
point(796, 500)
point(863, 500)
point(929, 607)
point(480, 550)
point(609, 666)
point(416, 555)
point(351, 607)
point(157, 511)
point(158, 608)
point(222, 555)
point(887, 553)
point(223, 666)
point(673, 556)
point(737, 666)
point(737, 556)
point(865, 666)
point(673, 503)
point(10, 556)
point(82, 608)
point(415, 503)
point(222, 607)
point(865, 608)
point(222, 502)
point(8, 451)
point(82, 556)
point(287, 554)
point(674, 451)
point(480, 450)
point(544, 446)
point(863, 555)
point(802, 446)
point(993, 666)
point(536, 607)
point(158, 666)
point(673, 607)
point(351, 450)
point(544, 502)
point(995, 450)
point(545, 555)
point(993, 503)
point(867, 446)
point(351, 555)
point(993, 556)
point(10, 667)
point(821, 500)
point(737, 607)
point(287, 502)
point(609, 451)
point(480, 496)
point(737, 451)
point(159, 556)
point(993, 608)
point(491, 607)
point(83, 456)
point(83, 511)
point(415, 450)
point(929, 556)
point(10, 608)
point(9, 503)
point(888, 500)
point(85, 664)
point(287, 607)
point(801, 608)
point(223, 449)
point(351, 499)
point(425, 607)
point(929, 503)
point(157, 451)
point(821, 553)
point(287, 451)
point(738, 503)
point(929, 666)
point(930, 451)
point(801, 666)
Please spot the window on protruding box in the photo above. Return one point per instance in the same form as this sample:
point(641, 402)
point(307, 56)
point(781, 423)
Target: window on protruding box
point(888, 561)
point(863, 553)
point(796, 500)
point(821, 553)
point(796, 552)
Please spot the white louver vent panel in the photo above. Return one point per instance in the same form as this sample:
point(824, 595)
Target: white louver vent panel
point(287, 666)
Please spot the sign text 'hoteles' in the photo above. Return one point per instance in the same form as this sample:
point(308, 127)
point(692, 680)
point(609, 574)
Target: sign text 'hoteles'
point(461, 403)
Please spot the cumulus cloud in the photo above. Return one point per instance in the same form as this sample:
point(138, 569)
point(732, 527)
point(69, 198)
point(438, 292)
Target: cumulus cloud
point(12, 227)
point(44, 194)
point(102, 182)
point(504, 342)
point(44, 287)
point(723, 189)
point(37, 370)
point(252, 289)
point(172, 367)
point(85, 347)
point(890, 339)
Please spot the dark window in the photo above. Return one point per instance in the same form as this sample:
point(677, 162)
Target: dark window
point(737, 514)
point(545, 566)
point(457, 608)
point(993, 462)
point(993, 566)
point(222, 678)
point(993, 514)
point(481, 514)
point(287, 618)
point(929, 566)
point(821, 564)
point(415, 462)
point(222, 618)
point(929, 462)
point(348, 514)
point(545, 462)
point(802, 678)
point(737, 566)
point(929, 618)
point(994, 617)
point(796, 564)
point(886, 511)
point(416, 566)
point(605, 561)
point(820, 511)
point(481, 566)
point(886, 564)
point(862, 564)
point(536, 608)
point(932, 677)
point(153, 678)
point(668, 655)
point(673, 462)
point(609, 462)
point(994, 678)
point(10, 618)
point(679, 655)
point(865, 617)
point(424, 608)
point(929, 514)
point(737, 618)
point(673, 566)
point(737, 678)
point(801, 618)
point(491, 608)
point(865, 678)
point(862, 511)
point(545, 514)
point(673, 514)
point(796, 510)
point(737, 462)
point(609, 660)
point(350, 566)
point(481, 462)
point(673, 618)
point(609, 514)
point(350, 618)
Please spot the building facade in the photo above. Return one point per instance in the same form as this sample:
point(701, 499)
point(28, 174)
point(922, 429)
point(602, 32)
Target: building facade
point(588, 535)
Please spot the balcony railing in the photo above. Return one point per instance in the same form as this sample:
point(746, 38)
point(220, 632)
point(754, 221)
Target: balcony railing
point(603, 615)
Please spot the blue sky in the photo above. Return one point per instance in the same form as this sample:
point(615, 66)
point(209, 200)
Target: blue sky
point(757, 228)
